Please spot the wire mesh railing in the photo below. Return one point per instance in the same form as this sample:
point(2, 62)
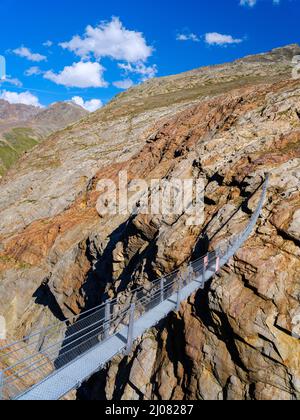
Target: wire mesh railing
point(37, 356)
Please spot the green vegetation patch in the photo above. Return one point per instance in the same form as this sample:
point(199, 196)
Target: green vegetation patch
point(17, 141)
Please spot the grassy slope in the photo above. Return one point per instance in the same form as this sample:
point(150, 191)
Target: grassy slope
point(15, 143)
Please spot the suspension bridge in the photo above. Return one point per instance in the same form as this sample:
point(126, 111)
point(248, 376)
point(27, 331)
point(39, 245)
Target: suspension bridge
point(50, 363)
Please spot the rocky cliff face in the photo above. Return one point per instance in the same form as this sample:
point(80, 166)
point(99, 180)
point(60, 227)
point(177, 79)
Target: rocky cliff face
point(227, 125)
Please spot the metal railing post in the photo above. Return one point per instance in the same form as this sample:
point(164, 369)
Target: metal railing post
point(42, 337)
point(130, 329)
point(107, 318)
point(205, 264)
point(179, 293)
point(1, 385)
point(191, 272)
point(162, 285)
point(217, 264)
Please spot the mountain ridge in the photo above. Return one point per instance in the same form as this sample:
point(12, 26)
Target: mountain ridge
point(22, 127)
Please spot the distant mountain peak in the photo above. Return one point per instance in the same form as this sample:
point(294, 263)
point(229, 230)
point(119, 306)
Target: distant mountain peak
point(10, 113)
point(23, 126)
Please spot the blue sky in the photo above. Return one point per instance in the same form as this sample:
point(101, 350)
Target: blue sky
point(90, 50)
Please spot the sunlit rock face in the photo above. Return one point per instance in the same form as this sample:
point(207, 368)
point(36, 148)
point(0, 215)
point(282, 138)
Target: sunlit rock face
point(228, 126)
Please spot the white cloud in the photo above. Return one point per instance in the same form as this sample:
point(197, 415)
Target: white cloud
point(110, 39)
point(90, 106)
point(252, 3)
point(81, 75)
point(123, 84)
point(188, 37)
point(26, 53)
point(48, 44)
point(33, 71)
point(11, 81)
point(146, 72)
point(214, 38)
point(25, 98)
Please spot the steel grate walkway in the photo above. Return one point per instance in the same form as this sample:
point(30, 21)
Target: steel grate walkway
point(52, 362)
